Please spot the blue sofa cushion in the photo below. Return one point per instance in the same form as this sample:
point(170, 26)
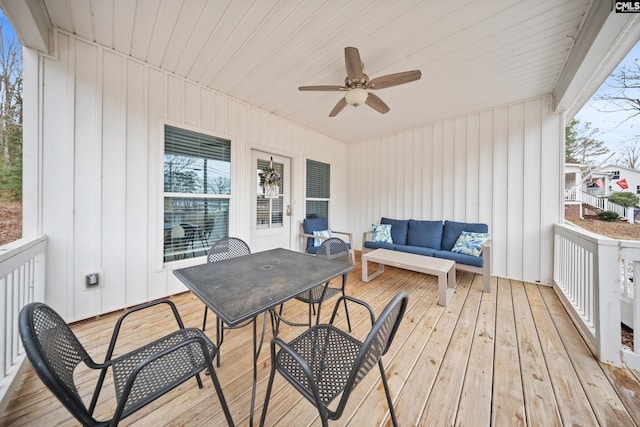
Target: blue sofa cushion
point(418, 250)
point(452, 230)
point(427, 234)
point(379, 245)
point(313, 224)
point(459, 258)
point(399, 228)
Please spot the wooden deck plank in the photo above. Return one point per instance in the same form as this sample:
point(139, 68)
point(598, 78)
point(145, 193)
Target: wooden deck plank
point(508, 394)
point(542, 407)
point(576, 409)
point(398, 364)
point(442, 407)
point(418, 386)
point(607, 406)
point(475, 400)
point(497, 358)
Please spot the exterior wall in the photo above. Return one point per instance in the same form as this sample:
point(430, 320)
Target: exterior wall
point(94, 153)
point(503, 167)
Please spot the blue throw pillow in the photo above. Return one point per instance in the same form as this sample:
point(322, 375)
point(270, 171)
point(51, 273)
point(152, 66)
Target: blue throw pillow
point(470, 243)
point(427, 234)
point(311, 224)
point(382, 233)
point(322, 233)
point(452, 230)
point(399, 229)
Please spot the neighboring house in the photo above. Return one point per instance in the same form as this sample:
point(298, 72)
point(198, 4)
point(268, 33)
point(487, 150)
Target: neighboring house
point(104, 81)
point(620, 179)
point(590, 185)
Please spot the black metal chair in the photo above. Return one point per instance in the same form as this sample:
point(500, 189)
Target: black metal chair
point(139, 377)
point(333, 249)
point(225, 248)
point(324, 362)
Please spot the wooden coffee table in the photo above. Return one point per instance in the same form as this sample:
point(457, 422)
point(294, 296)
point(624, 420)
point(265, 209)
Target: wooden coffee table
point(443, 268)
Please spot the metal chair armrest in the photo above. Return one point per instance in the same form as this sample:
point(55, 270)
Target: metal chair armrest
point(303, 366)
point(355, 300)
point(121, 319)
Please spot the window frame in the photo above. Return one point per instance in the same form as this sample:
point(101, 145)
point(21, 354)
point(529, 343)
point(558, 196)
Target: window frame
point(198, 252)
point(317, 199)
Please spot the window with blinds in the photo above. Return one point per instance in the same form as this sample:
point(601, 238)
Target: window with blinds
point(318, 189)
point(197, 189)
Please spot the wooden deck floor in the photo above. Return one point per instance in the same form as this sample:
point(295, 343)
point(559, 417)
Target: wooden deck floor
point(506, 358)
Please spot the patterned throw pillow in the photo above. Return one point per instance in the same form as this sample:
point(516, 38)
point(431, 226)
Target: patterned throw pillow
point(323, 233)
point(382, 233)
point(470, 243)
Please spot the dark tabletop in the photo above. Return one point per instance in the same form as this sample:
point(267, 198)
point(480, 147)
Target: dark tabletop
point(241, 288)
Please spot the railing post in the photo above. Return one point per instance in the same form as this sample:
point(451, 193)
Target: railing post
point(607, 309)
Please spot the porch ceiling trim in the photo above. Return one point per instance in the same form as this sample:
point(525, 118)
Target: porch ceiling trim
point(31, 21)
point(602, 43)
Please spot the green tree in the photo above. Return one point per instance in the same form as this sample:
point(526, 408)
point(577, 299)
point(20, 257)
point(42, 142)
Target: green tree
point(623, 198)
point(581, 146)
point(10, 115)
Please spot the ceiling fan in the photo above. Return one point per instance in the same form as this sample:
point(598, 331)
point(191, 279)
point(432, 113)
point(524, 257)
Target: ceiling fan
point(358, 86)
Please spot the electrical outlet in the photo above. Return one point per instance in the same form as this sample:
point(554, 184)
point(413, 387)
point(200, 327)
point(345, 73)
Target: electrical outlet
point(93, 280)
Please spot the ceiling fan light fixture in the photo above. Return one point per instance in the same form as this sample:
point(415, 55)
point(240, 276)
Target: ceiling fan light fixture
point(356, 96)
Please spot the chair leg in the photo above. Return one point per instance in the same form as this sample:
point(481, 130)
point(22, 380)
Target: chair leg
point(269, 386)
point(386, 391)
point(346, 310)
point(216, 385)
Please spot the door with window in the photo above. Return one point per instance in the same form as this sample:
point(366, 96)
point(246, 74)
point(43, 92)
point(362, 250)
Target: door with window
point(271, 201)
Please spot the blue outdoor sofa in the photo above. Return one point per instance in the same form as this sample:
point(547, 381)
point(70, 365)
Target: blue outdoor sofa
point(435, 239)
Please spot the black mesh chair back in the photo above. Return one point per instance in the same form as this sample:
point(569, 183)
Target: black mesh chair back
point(223, 249)
point(54, 352)
point(325, 362)
point(139, 377)
point(333, 249)
point(227, 248)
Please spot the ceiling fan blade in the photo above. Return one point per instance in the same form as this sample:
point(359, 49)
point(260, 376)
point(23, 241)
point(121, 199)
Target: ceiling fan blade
point(394, 79)
point(322, 88)
point(376, 103)
point(339, 106)
point(353, 63)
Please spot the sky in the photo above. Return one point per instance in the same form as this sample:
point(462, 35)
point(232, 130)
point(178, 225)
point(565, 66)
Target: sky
point(614, 131)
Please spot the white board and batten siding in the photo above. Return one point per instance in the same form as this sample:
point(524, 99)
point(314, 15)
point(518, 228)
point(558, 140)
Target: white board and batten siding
point(500, 167)
point(100, 128)
point(101, 121)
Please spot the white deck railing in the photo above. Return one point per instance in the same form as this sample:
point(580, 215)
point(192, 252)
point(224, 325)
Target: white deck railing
point(22, 272)
point(592, 274)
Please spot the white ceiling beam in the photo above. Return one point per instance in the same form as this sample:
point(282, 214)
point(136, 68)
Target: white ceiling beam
point(30, 20)
point(602, 43)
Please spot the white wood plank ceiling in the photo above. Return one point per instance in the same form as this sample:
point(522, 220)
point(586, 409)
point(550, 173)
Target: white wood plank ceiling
point(473, 54)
